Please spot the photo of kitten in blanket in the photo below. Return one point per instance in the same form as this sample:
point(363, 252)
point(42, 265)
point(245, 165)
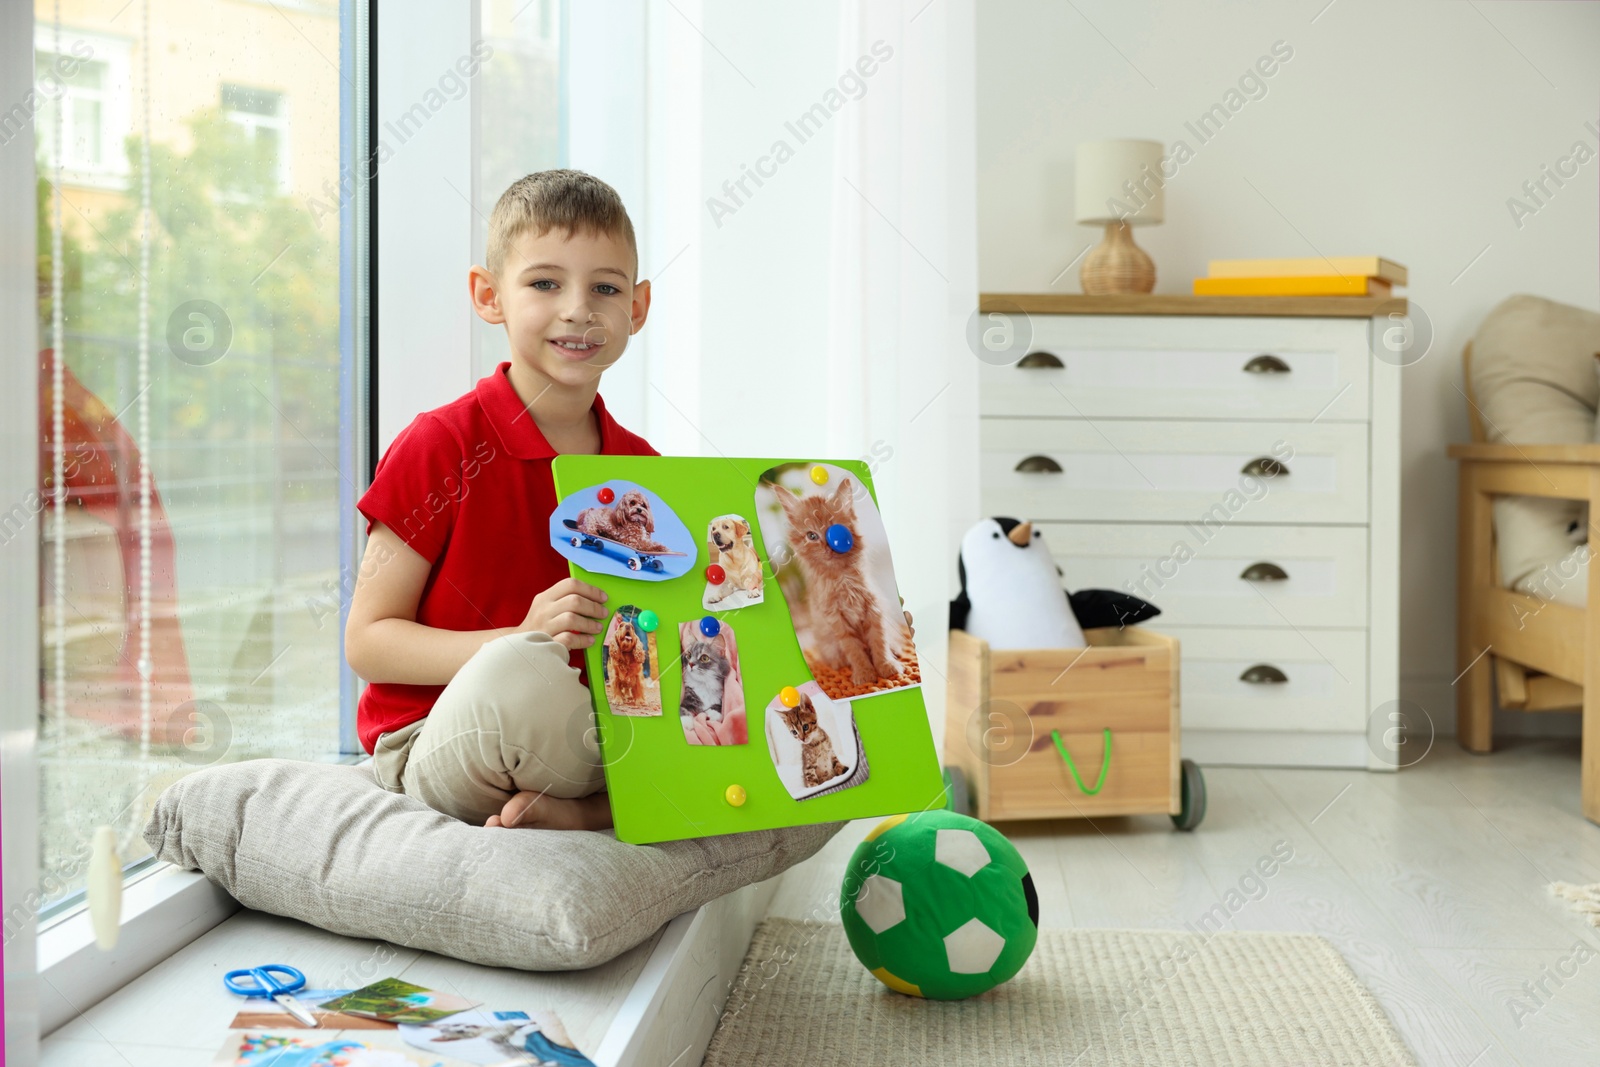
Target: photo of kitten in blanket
point(632, 665)
point(814, 745)
point(711, 706)
point(830, 555)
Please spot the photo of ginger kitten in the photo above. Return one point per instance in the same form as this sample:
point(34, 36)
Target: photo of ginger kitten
point(835, 573)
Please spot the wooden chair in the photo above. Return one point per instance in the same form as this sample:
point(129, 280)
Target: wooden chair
point(1544, 655)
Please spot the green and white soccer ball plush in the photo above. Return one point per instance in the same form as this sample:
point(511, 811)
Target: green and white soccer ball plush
point(939, 905)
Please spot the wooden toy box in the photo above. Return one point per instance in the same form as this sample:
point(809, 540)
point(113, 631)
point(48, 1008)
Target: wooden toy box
point(1004, 705)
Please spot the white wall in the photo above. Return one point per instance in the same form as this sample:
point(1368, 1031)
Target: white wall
point(1396, 129)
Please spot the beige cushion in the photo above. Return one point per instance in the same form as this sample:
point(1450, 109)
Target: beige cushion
point(1533, 374)
point(326, 844)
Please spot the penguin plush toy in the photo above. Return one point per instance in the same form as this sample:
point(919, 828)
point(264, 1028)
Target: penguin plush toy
point(1011, 593)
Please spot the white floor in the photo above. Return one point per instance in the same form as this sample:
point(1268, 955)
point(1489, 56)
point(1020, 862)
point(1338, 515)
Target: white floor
point(1431, 882)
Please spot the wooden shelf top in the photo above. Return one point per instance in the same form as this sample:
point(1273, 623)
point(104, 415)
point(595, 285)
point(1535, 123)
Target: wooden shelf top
point(1325, 307)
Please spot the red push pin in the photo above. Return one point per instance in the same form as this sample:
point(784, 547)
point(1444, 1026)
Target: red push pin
point(715, 574)
point(606, 496)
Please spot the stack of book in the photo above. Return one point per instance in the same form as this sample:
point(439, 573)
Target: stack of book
point(1340, 276)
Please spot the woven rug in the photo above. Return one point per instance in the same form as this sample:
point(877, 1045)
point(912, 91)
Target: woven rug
point(1585, 898)
point(1087, 998)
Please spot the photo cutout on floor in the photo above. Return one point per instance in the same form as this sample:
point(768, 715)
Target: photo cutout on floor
point(734, 577)
point(830, 555)
point(632, 663)
point(498, 1039)
point(711, 700)
point(814, 744)
point(624, 529)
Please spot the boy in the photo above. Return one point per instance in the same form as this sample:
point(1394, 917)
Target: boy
point(465, 622)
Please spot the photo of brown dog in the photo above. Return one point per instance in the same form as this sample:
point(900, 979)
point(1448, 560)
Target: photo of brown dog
point(632, 666)
point(628, 522)
point(731, 546)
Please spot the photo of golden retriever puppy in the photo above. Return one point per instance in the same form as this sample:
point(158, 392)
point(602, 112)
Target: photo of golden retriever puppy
point(730, 545)
point(628, 521)
point(632, 666)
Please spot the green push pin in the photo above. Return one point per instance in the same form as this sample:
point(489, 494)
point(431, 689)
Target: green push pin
point(648, 621)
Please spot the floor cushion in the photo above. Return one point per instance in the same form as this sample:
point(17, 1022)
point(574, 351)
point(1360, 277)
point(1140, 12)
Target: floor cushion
point(326, 844)
point(1533, 375)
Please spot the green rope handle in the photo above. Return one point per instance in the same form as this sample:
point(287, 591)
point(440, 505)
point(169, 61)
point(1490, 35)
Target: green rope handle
point(1105, 763)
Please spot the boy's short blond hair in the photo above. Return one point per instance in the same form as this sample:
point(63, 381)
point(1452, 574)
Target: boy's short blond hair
point(570, 199)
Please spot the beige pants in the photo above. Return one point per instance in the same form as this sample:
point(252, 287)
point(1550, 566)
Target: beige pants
point(515, 717)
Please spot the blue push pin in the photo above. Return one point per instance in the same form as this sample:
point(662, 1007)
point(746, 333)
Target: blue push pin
point(709, 626)
point(839, 538)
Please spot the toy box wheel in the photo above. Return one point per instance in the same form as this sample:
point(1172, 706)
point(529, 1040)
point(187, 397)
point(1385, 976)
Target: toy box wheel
point(957, 798)
point(1193, 789)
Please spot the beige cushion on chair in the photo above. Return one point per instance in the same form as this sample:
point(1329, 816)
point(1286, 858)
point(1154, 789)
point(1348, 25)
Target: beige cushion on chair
point(1534, 378)
point(326, 844)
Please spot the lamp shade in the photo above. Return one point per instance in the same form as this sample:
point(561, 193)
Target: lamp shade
point(1120, 181)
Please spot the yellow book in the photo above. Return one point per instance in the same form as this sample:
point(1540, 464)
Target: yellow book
point(1339, 266)
point(1306, 285)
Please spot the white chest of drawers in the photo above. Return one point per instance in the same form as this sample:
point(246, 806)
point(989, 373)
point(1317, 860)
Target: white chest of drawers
point(1236, 463)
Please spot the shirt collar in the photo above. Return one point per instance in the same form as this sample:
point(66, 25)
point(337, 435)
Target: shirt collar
point(519, 433)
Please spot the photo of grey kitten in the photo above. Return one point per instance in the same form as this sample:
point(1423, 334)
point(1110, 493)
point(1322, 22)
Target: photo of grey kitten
point(705, 674)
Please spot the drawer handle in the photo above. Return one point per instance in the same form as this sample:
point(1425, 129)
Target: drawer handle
point(1263, 674)
point(1264, 467)
point(1038, 465)
point(1264, 572)
point(1267, 364)
point(1105, 763)
point(1037, 360)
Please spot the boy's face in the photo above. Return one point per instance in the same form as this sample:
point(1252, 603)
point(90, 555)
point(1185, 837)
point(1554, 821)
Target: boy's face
point(568, 303)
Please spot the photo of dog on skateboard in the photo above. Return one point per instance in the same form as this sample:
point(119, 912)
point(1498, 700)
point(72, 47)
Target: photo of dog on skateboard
point(623, 529)
point(830, 555)
point(631, 664)
point(731, 547)
point(814, 745)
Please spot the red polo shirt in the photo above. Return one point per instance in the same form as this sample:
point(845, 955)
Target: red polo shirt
point(468, 486)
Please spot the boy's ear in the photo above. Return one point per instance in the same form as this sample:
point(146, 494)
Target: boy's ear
point(485, 293)
point(641, 307)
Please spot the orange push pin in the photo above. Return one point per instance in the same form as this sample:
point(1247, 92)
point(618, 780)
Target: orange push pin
point(819, 474)
point(734, 795)
point(789, 696)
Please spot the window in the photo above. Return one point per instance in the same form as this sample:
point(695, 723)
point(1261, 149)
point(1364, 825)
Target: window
point(518, 127)
point(80, 83)
point(201, 419)
point(260, 114)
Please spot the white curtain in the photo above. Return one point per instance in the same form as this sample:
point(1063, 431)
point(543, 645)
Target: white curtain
point(821, 310)
point(902, 285)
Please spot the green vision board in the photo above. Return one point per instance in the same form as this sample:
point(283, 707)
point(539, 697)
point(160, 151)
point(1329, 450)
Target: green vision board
point(647, 530)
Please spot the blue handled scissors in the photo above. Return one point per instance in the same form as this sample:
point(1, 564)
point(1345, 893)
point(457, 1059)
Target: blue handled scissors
point(275, 981)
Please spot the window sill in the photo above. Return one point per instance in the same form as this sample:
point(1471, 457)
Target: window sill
point(161, 912)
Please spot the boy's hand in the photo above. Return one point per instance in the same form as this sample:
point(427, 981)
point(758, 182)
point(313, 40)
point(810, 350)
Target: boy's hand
point(571, 612)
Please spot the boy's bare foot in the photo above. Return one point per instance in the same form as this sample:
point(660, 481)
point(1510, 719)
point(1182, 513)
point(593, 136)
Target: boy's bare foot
point(540, 811)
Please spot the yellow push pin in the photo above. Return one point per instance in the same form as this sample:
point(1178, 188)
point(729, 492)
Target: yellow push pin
point(789, 696)
point(819, 474)
point(734, 794)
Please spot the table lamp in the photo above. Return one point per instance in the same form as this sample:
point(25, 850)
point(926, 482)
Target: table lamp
point(1119, 185)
